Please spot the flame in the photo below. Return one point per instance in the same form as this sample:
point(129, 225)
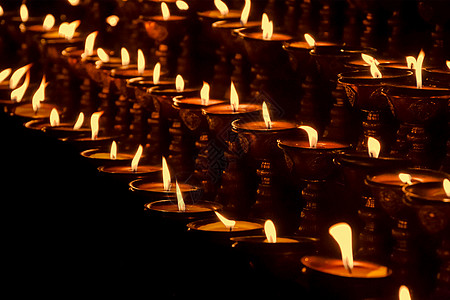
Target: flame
point(373, 65)
point(18, 93)
point(49, 22)
point(39, 95)
point(267, 27)
point(166, 175)
point(79, 121)
point(4, 74)
point(94, 124)
point(229, 224)
point(222, 7)
point(182, 5)
point(405, 178)
point(410, 61)
point(312, 135)
point(310, 40)
point(271, 233)
point(446, 186)
point(140, 62)
point(180, 201)
point(204, 93)
point(1, 11)
point(112, 20)
point(165, 11)
point(179, 83)
point(156, 73)
point(370, 60)
point(447, 62)
point(403, 293)
point(234, 98)
point(54, 117)
point(17, 75)
point(74, 2)
point(113, 151)
point(418, 68)
point(342, 233)
point(89, 44)
point(104, 57)
point(125, 56)
point(373, 147)
point(245, 12)
point(23, 13)
point(67, 30)
point(136, 158)
point(266, 116)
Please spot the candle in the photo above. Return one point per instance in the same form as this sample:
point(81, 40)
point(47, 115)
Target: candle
point(276, 37)
point(417, 175)
point(27, 111)
point(170, 209)
point(261, 125)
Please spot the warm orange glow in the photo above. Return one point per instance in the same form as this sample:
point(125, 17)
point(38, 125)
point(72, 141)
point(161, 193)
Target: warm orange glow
point(49, 22)
point(369, 59)
point(246, 12)
point(342, 233)
point(140, 62)
point(1, 11)
point(67, 30)
point(312, 135)
point(17, 94)
point(418, 68)
point(4, 74)
point(267, 27)
point(165, 11)
point(39, 95)
point(405, 178)
point(374, 71)
point(403, 293)
point(89, 44)
point(113, 151)
point(234, 98)
point(310, 40)
point(79, 122)
point(125, 56)
point(446, 186)
point(17, 76)
point(222, 7)
point(54, 117)
point(112, 20)
point(447, 63)
point(166, 175)
point(204, 93)
point(266, 116)
point(74, 2)
point(410, 61)
point(182, 5)
point(373, 147)
point(95, 117)
point(229, 224)
point(23, 13)
point(179, 83)
point(136, 158)
point(180, 201)
point(271, 233)
point(104, 57)
point(156, 73)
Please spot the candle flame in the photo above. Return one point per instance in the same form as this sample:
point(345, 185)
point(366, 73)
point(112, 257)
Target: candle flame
point(89, 44)
point(74, 2)
point(403, 293)
point(204, 93)
point(95, 117)
point(79, 121)
point(140, 62)
point(23, 13)
point(165, 11)
point(374, 71)
point(182, 5)
point(342, 233)
point(310, 40)
point(54, 117)
point(418, 68)
point(222, 7)
point(271, 233)
point(39, 95)
point(67, 30)
point(166, 175)
point(447, 62)
point(267, 27)
point(312, 135)
point(4, 74)
point(410, 61)
point(229, 224)
point(17, 94)
point(136, 158)
point(113, 151)
point(446, 186)
point(49, 22)
point(104, 57)
point(373, 147)
point(180, 201)
point(125, 56)
point(245, 12)
point(234, 98)
point(405, 178)
point(1, 11)
point(266, 116)
point(112, 20)
point(156, 73)
point(179, 83)
point(369, 59)
point(17, 76)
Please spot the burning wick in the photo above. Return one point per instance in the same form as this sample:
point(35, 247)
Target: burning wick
point(179, 83)
point(312, 135)
point(204, 93)
point(180, 201)
point(234, 98)
point(267, 27)
point(416, 64)
point(405, 178)
point(310, 40)
point(113, 152)
point(156, 73)
point(271, 233)
point(222, 7)
point(403, 293)
point(374, 71)
point(373, 147)
point(79, 121)
point(136, 158)
point(94, 124)
point(229, 224)
point(266, 116)
point(166, 175)
point(446, 186)
point(245, 12)
point(342, 233)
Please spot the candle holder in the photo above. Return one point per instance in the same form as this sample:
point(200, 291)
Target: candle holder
point(123, 174)
point(432, 206)
point(315, 167)
point(101, 157)
point(26, 112)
